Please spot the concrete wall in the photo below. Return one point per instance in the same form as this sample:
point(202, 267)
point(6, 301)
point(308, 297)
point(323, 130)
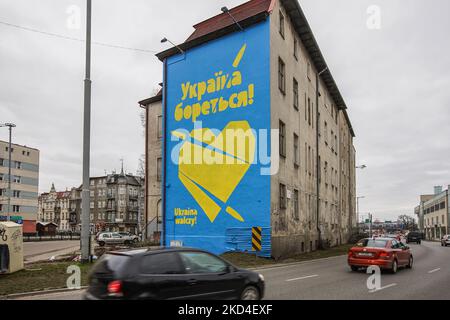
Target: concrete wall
point(153, 153)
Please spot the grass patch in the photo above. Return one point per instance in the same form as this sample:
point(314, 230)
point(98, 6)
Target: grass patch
point(40, 276)
point(245, 260)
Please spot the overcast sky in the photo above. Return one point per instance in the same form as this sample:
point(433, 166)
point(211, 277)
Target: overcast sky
point(395, 81)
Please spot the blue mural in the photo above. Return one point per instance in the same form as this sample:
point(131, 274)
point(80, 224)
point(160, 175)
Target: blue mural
point(218, 104)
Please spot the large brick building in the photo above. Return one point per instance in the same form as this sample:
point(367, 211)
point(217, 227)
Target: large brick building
point(286, 85)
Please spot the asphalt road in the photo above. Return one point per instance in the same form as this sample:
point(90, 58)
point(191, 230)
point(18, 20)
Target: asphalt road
point(43, 250)
point(331, 279)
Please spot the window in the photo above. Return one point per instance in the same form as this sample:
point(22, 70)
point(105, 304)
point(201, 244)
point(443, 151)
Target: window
point(16, 194)
point(199, 262)
point(162, 263)
point(295, 48)
point(16, 208)
point(282, 139)
point(442, 204)
point(281, 24)
point(308, 71)
point(283, 198)
point(332, 142)
point(2, 162)
point(309, 111)
point(159, 169)
point(18, 165)
point(281, 76)
point(325, 132)
point(16, 179)
point(92, 205)
point(159, 126)
point(1, 207)
point(1, 176)
point(296, 150)
point(296, 206)
point(295, 93)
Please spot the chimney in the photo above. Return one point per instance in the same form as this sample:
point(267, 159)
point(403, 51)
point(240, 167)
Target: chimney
point(437, 190)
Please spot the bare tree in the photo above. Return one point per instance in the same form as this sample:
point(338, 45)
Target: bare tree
point(408, 222)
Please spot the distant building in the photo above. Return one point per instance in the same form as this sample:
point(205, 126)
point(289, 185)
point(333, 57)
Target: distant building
point(114, 206)
point(24, 185)
point(55, 207)
point(434, 214)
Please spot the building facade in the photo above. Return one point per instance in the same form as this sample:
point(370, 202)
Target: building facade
point(153, 165)
point(24, 185)
point(270, 78)
point(434, 214)
point(115, 202)
point(54, 207)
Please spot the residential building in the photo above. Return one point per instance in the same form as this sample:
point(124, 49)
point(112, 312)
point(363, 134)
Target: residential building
point(251, 82)
point(24, 185)
point(153, 164)
point(55, 207)
point(114, 204)
point(434, 214)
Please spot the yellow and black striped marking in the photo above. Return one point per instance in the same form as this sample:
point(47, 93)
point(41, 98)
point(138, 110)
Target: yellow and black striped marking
point(257, 239)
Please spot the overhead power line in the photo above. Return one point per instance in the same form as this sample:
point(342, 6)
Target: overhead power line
point(74, 39)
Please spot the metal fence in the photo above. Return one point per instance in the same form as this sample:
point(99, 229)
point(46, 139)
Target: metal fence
point(65, 237)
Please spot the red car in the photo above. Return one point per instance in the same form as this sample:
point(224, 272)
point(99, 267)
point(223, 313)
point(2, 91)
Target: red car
point(386, 253)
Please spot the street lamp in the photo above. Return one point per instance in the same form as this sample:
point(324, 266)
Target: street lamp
point(10, 126)
point(227, 11)
point(357, 204)
point(164, 40)
point(362, 167)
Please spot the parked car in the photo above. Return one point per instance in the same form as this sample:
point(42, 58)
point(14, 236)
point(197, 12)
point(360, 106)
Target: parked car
point(170, 273)
point(386, 253)
point(445, 241)
point(112, 238)
point(132, 237)
point(414, 236)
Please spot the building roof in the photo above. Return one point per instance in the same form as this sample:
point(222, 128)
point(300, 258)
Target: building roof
point(240, 13)
point(19, 145)
point(255, 11)
point(154, 99)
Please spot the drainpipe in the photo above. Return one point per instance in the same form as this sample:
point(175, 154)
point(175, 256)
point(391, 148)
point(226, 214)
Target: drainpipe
point(164, 156)
point(319, 232)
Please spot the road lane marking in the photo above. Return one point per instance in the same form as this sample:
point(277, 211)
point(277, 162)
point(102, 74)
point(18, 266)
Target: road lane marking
point(303, 278)
point(382, 288)
point(434, 271)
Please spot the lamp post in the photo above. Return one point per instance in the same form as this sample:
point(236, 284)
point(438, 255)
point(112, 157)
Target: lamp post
point(10, 126)
point(85, 196)
point(357, 205)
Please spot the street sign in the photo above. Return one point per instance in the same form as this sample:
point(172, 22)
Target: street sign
point(257, 239)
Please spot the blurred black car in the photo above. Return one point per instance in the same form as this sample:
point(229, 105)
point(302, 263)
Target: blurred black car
point(414, 236)
point(171, 273)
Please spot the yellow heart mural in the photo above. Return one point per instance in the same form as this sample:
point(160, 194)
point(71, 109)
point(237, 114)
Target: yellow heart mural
point(213, 166)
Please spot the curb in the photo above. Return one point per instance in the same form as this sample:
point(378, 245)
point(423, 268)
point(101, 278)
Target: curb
point(38, 293)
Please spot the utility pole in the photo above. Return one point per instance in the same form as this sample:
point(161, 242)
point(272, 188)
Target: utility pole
point(10, 126)
point(85, 197)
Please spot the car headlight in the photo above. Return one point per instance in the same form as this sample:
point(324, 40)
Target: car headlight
point(261, 277)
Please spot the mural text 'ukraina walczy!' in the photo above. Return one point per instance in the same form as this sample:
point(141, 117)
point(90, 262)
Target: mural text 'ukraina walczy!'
point(218, 100)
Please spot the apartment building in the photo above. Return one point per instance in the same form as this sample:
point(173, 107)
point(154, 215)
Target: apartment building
point(434, 214)
point(115, 201)
point(55, 207)
point(24, 185)
point(153, 164)
point(269, 75)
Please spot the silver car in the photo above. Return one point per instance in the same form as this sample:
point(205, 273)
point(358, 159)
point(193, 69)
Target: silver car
point(445, 241)
point(112, 238)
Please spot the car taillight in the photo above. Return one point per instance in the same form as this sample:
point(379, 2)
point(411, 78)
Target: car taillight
point(385, 255)
point(350, 254)
point(115, 288)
